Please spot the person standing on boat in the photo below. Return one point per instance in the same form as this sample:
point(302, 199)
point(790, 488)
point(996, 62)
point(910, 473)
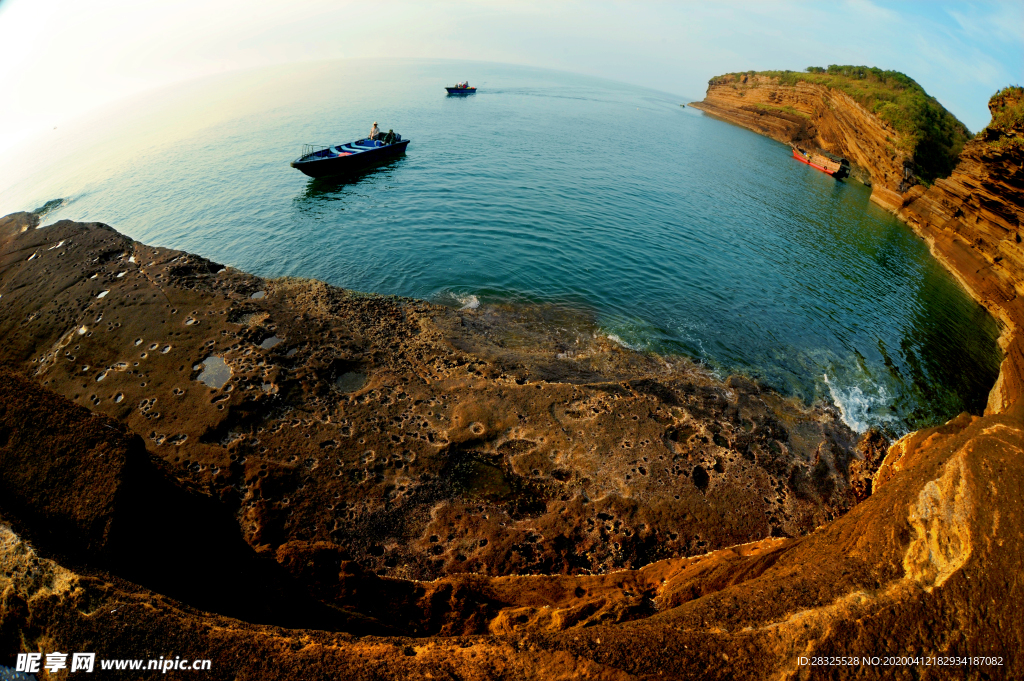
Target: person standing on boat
point(374, 131)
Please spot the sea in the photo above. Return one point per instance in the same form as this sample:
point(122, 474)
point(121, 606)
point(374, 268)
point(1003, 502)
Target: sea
point(672, 232)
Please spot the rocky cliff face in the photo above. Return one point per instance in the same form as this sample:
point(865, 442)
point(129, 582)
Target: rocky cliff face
point(815, 115)
point(972, 221)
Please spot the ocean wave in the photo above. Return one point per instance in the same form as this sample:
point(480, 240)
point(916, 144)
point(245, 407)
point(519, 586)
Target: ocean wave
point(618, 341)
point(861, 409)
point(462, 301)
point(469, 302)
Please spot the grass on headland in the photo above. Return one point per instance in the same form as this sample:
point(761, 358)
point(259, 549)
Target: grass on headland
point(1007, 107)
point(930, 134)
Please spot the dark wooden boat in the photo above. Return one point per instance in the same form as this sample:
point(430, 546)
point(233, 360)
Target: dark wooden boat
point(341, 159)
point(825, 162)
point(460, 90)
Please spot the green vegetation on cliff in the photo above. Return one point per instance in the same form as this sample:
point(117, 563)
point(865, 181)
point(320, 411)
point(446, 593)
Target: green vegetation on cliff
point(928, 133)
point(1007, 107)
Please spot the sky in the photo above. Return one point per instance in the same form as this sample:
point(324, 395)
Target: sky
point(60, 59)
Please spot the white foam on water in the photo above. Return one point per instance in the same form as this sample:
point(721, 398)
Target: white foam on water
point(859, 409)
point(618, 341)
point(469, 302)
point(694, 332)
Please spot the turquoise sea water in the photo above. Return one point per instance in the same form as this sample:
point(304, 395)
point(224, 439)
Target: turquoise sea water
point(679, 233)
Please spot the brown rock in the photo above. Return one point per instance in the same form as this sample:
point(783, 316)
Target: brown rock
point(927, 566)
point(972, 223)
point(871, 449)
point(423, 441)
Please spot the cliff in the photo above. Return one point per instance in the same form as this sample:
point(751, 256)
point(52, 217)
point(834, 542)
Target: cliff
point(881, 121)
point(972, 222)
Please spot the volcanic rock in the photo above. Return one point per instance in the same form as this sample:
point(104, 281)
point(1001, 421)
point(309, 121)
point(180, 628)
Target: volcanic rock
point(418, 440)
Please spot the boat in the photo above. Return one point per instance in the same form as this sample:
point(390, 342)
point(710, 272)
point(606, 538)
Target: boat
point(822, 160)
point(340, 159)
point(460, 89)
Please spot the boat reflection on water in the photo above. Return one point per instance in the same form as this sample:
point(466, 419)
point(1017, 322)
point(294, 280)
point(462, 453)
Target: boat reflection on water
point(328, 187)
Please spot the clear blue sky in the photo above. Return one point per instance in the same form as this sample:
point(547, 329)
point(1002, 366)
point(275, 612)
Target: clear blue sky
point(62, 58)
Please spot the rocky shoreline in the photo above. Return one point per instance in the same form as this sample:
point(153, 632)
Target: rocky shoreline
point(392, 489)
point(416, 440)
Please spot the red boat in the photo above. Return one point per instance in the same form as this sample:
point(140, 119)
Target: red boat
point(823, 161)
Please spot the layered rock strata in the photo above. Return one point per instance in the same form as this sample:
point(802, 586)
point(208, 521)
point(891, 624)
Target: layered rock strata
point(812, 114)
point(972, 221)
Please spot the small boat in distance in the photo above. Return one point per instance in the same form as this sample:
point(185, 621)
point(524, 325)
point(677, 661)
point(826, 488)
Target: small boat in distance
point(340, 159)
point(823, 161)
point(460, 89)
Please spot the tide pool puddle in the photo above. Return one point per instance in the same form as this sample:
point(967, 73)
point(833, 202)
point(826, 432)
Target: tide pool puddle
point(350, 382)
point(215, 372)
point(270, 342)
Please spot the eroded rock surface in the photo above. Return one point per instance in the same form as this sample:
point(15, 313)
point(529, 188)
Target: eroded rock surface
point(927, 565)
point(417, 440)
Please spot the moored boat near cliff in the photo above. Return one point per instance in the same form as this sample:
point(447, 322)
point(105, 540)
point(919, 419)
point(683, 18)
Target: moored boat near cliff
point(892, 131)
point(825, 162)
